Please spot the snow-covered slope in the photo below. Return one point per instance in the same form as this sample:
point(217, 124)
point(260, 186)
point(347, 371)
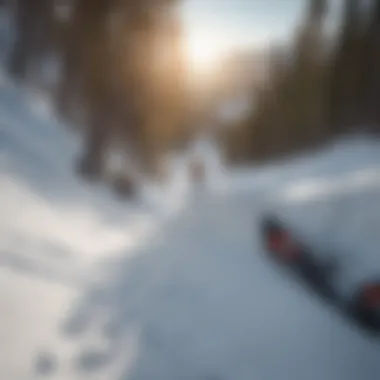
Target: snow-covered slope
point(92, 288)
point(54, 227)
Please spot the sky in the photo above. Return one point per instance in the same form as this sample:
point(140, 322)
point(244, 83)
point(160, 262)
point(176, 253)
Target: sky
point(229, 24)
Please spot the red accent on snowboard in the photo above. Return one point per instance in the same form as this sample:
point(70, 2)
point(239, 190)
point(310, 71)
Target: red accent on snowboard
point(371, 296)
point(281, 243)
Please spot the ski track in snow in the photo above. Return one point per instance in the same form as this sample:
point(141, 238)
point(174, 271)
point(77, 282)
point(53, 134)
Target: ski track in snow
point(92, 288)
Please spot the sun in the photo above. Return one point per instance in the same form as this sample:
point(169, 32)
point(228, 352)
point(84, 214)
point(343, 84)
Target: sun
point(203, 52)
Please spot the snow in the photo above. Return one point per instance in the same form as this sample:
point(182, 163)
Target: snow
point(175, 285)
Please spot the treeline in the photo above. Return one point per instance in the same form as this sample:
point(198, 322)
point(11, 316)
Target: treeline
point(123, 80)
point(320, 88)
point(121, 73)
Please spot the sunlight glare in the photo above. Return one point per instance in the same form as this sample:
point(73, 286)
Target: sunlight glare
point(204, 52)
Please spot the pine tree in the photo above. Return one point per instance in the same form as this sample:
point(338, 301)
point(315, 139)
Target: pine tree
point(344, 112)
point(369, 71)
point(34, 28)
